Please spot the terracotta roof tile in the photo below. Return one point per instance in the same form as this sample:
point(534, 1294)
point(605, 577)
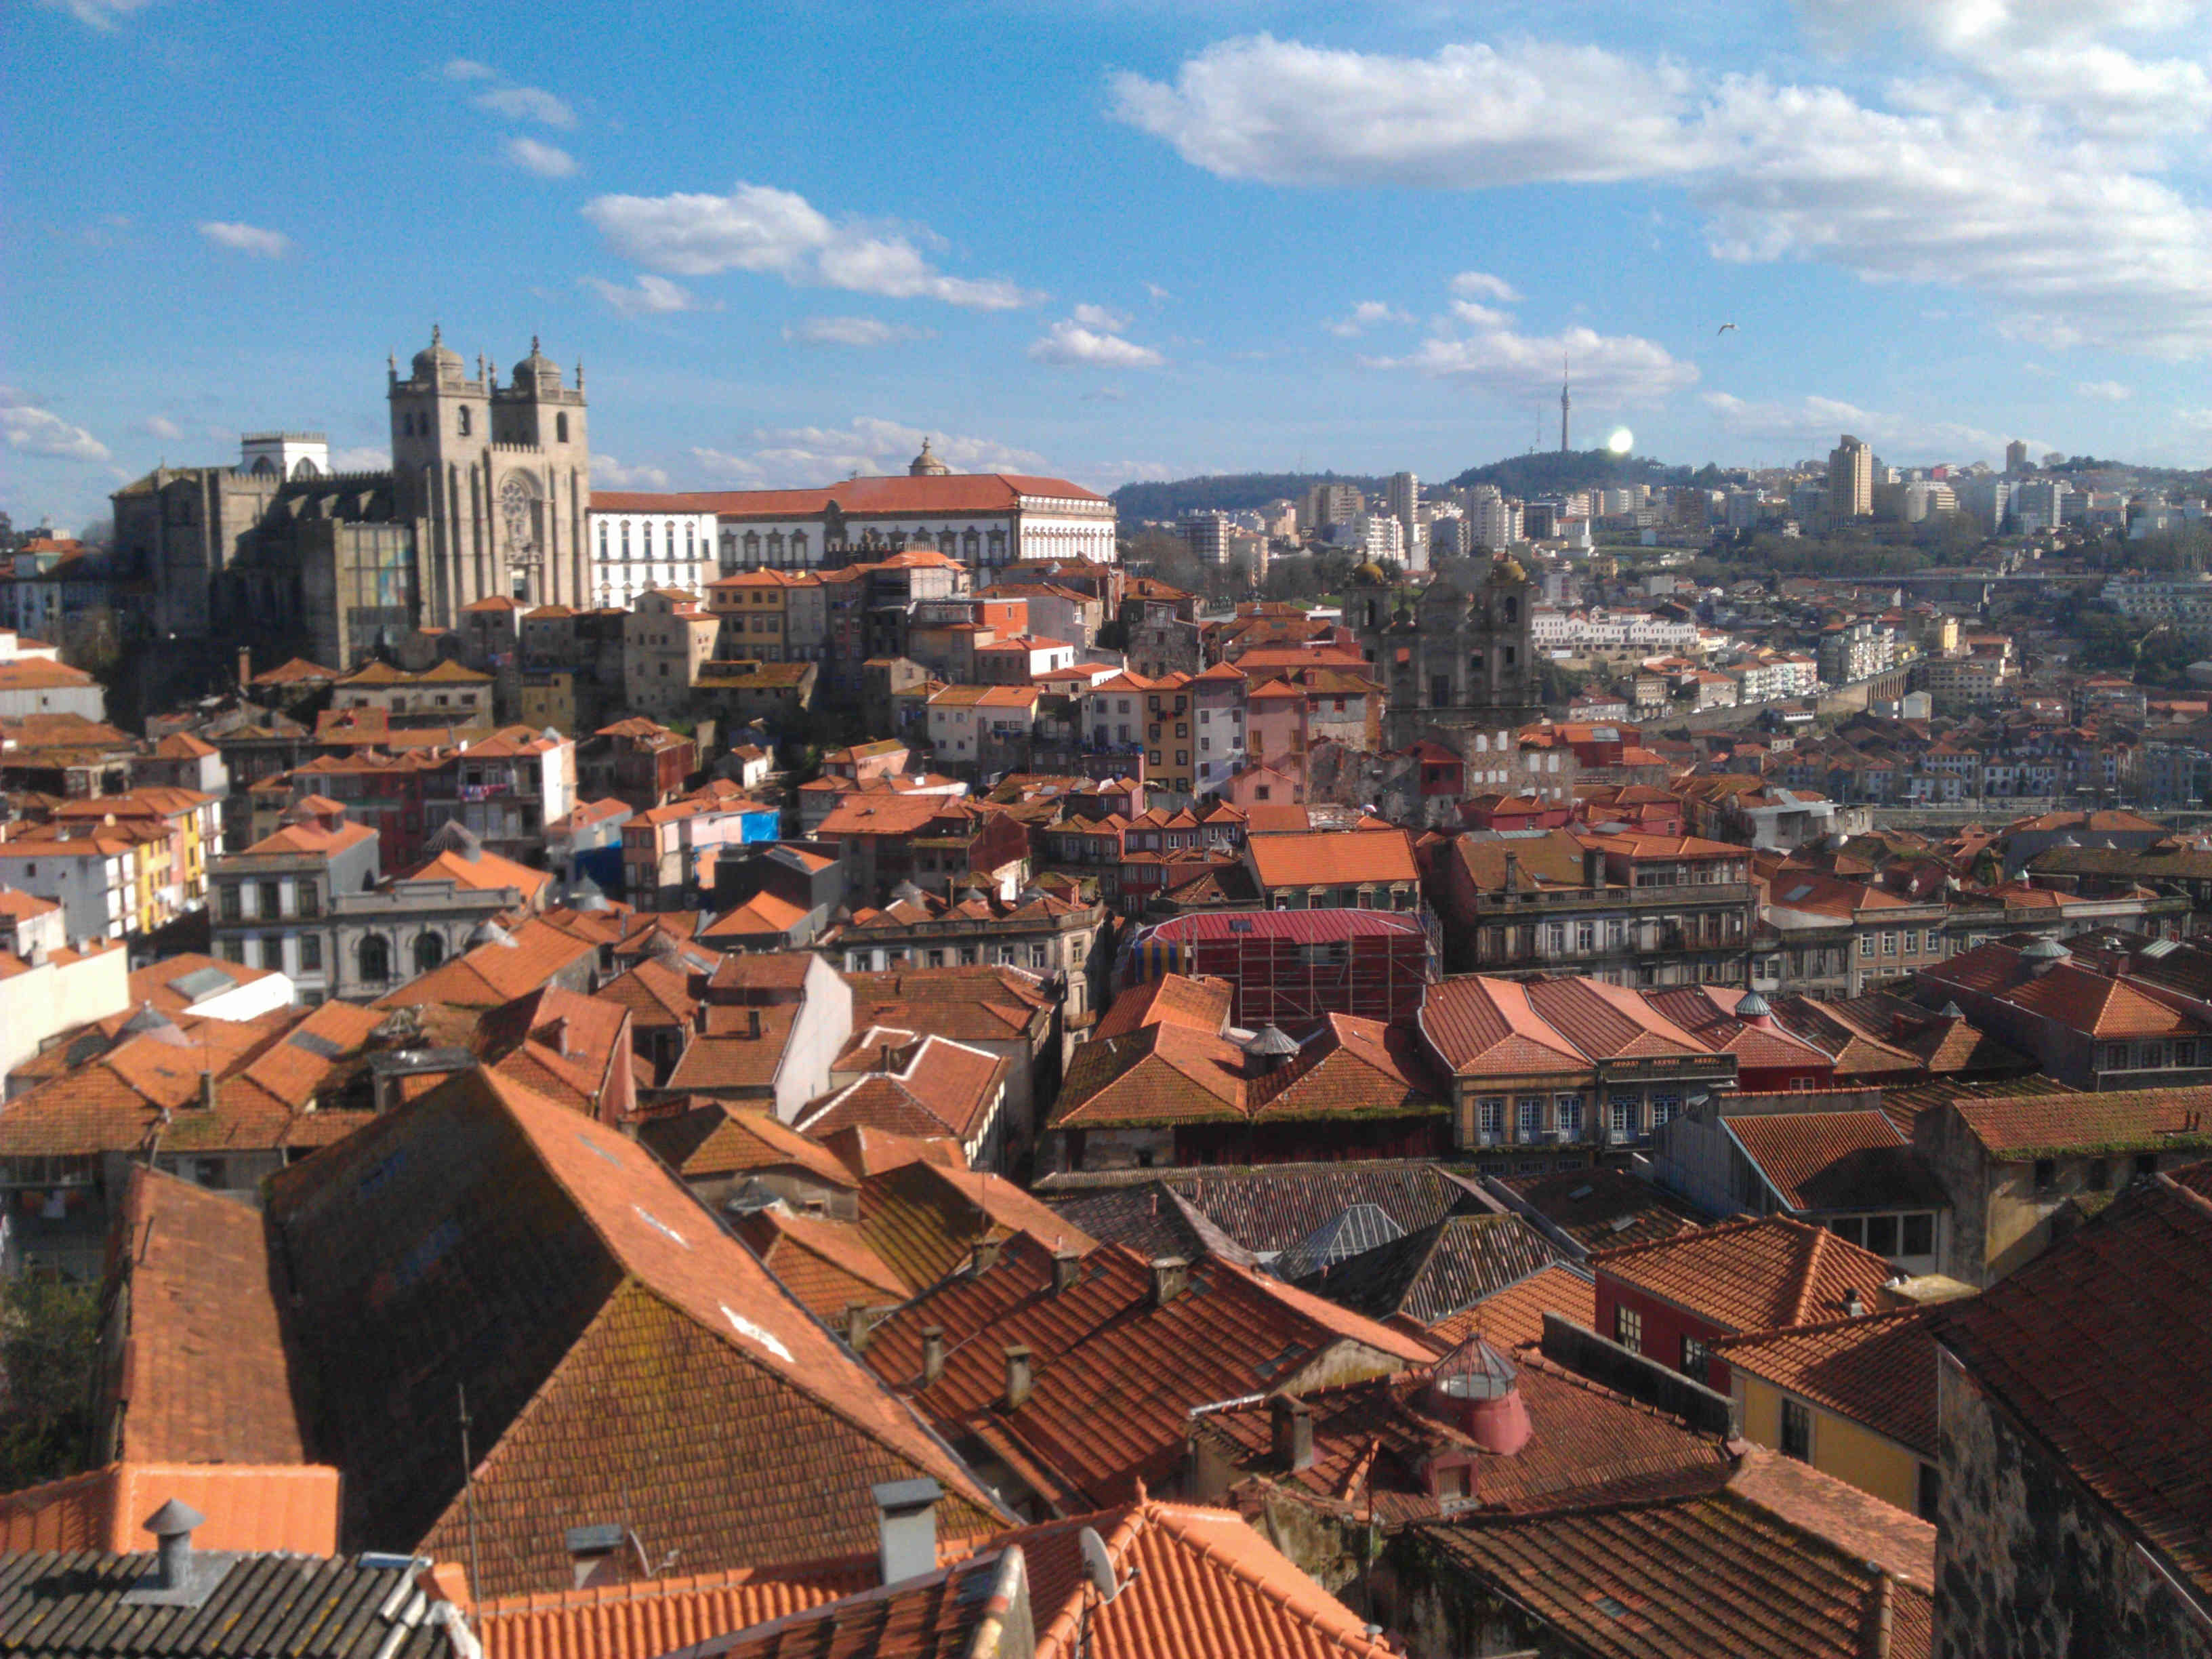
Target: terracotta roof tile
point(826, 1265)
point(1200, 1003)
point(647, 1619)
point(1333, 859)
point(2021, 1127)
point(2101, 1345)
point(1513, 1315)
point(1268, 1209)
point(1750, 1275)
point(1836, 1160)
point(1432, 1273)
point(714, 1138)
point(248, 1506)
point(1878, 1369)
point(1598, 1208)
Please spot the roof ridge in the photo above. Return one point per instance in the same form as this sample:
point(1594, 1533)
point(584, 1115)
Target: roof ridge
point(1711, 1230)
point(1820, 1327)
point(1815, 1250)
point(1237, 1568)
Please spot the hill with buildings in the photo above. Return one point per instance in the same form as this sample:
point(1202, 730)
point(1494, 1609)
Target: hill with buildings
point(1225, 492)
point(1549, 472)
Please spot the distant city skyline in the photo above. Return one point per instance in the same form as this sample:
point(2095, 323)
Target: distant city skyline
point(1114, 242)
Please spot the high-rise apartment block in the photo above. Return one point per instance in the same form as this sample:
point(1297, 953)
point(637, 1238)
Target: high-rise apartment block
point(1333, 503)
point(1851, 480)
point(2016, 457)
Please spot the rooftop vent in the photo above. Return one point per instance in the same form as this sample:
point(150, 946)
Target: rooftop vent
point(182, 1576)
point(1477, 1389)
point(907, 1512)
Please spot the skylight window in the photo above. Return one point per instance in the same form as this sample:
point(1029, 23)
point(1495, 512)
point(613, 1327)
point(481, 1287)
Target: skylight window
point(593, 1146)
point(659, 1226)
point(1611, 1609)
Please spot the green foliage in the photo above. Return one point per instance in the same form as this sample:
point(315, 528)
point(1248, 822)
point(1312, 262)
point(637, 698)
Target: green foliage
point(49, 1345)
point(1225, 492)
point(1856, 552)
point(1548, 472)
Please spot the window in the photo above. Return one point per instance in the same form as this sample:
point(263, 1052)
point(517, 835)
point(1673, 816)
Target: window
point(1665, 1108)
point(1881, 1234)
point(1918, 1235)
point(2101, 1175)
point(1628, 1328)
point(464, 420)
point(311, 953)
point(2046, 1174)
point(1849, 1227)
point(2146, 1165)
point(1866, 944)
point(1912, 941)
point(1530, 1113)
point(1889, 941)
point(1568, 1115)
point(227, 895)
point(1931, 1492)
point(1797, 1430)
point(374, 956)
point(1620, 1112)
point(561, 428)
point(1490, 1116)
point(1696, 1360)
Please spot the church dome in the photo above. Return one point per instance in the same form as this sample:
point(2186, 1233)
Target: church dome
point(1507, 569)
point(537, 369)
point(925, 464)
point(1369, 574)
point(437, 361)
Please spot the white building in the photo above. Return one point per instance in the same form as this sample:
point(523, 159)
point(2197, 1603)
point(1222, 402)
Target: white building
point(642, 541)
point(1206, 534)
point(2185, 602)
point(284, 454)
point(1375, 535)
point(1493, 521)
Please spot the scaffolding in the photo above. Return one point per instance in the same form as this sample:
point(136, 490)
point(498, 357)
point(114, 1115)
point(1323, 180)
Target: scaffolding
point(1293, 968)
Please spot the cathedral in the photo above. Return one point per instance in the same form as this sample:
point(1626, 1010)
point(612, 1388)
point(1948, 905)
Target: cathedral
point(496, 480)
point(1464, 659)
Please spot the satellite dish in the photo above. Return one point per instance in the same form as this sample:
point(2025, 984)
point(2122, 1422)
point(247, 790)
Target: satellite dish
point(1098, 1565)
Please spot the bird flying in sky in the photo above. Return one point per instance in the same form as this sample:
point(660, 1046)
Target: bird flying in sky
point(1723, 329)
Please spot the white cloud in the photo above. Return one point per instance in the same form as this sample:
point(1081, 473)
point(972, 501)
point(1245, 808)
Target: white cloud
point(1068, 343)
point(857, 332)
point(1480, 316)
point(1972, 25)
point(1954, 186)
point(546, 160)
point(1481, 285)
point(2105, 392)
point(467, 69)
point(1472, 115)
point(1158, 294)
point(800, 456)
point(1817, 423)
point(606, 469)
point(247, 239)
point(651, 296)
point(35, 431)
point(1113, 322)
point(161, 426)
point(102, 14)
point(758, 227)
point(526, 104)
point(1608, 368)
point(2201, 419)
point(1368, 313)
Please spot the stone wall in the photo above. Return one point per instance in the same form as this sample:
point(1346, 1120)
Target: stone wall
point(2027, 1562)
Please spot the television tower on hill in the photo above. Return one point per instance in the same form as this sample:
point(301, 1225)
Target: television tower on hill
point(1566, 403)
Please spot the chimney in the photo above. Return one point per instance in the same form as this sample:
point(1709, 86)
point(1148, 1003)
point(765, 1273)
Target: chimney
point(244, 668)
point(172, 1526)
point(858, 1327)
point(907, 1527)
point(1170, 1279)
point(1593, 867)
point(1854, 1305)
point(1290, 1422)
point(932, 1353)
point(752, 1022)
point(1067, 1267)
point(1021, 1375)
point(1512, 872)
point(207, 1091)
point(988, 1252)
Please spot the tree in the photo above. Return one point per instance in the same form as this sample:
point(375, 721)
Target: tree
point(49, 1345)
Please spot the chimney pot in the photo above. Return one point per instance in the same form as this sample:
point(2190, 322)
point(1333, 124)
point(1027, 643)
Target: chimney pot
point(1290, 1422)
point(908, 1522)
point(1170, 1279)
point(1066, 1266)
point(1021, 1375)
point(172, 1526)
point(932, 1353)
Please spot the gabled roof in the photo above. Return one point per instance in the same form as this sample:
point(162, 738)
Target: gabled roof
point(1513, 1315)
point(1878, 1369)
point(1115, 1374)
point(2100, 1347)
point(1270, 1208)
point(1199, 1003)
point(498, 972)
point(2018, 1127)
point(1332, 858)
point(1433, 1273)
point(1771, 1562)
point(713, 1138)
point(1836, 1160)
point(539, 1271)
point(1479, 1026)
point(1750, 1275)
point(1601, 1207)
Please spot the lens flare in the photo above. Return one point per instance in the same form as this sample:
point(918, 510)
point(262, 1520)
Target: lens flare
point(1622, 441)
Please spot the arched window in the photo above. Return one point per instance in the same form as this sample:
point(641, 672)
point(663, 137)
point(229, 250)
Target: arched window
point(1512, 609)
point(752, 547)
point(375, 960)
point(429, 950)
point(798, 547)
point(776, 547)
point(464, 420)
point(264, 468)
point(973, 545)
point(561, 428)
point(1478, 663)
point(305, 467)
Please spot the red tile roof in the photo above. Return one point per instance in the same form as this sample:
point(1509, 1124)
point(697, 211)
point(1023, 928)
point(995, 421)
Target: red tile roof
point(653, 1617)
point(203, 1376)
point(248, 1506)
point(1878, 1369)
point(1479, 1026)
point(1332, 858)
point(2023, 1126)
point(1750, 1275)
point(1115, 1376)
point(1514, 1314)
point(1835, 1160)
point(1599, 1207)
point(2101, 1347)
point(1758, 1568)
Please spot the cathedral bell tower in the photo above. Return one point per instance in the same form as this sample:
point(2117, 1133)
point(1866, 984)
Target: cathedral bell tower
point(496, 479)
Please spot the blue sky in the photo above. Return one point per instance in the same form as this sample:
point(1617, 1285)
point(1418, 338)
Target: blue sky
point(1112, 240)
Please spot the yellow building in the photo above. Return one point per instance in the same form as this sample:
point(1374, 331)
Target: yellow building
point(753, 607)
point(548, 697)
point(1853, 1397)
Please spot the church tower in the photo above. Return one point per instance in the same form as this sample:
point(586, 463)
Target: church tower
point(496, 479)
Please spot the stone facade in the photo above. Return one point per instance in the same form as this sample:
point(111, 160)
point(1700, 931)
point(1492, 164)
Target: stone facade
point(498, 481)
point(1466, 659)
point(2027, 1562)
